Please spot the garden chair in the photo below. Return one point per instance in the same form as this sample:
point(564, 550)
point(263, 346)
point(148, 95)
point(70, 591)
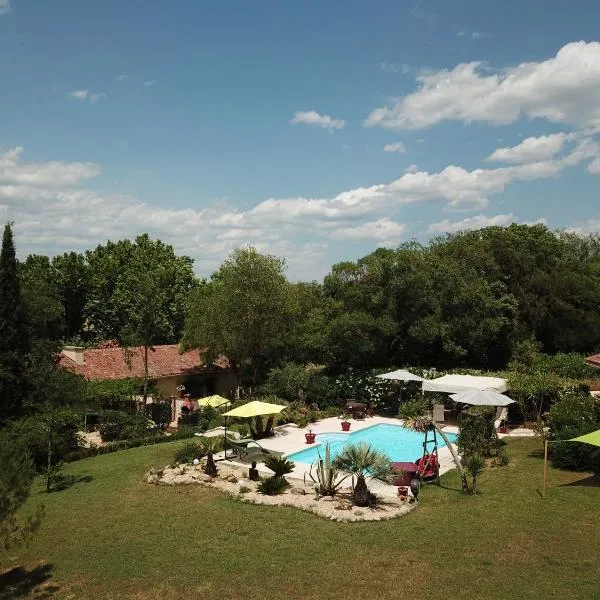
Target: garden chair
point(438, 413)
point(245, 448)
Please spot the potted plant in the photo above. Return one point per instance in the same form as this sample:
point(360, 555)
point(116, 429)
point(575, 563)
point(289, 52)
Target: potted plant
point(310, 437)
point(403, 492)
point(345, 422)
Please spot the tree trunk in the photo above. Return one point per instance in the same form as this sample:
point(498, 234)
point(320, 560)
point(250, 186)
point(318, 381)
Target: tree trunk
point(145, 392)
point(461, 471)
point(49, 471)
point(474, 484)
point(361, 495)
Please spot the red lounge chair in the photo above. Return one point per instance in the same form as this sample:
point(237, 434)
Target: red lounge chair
point(428, 466)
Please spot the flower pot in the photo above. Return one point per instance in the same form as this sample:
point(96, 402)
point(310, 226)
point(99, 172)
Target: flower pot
point(403, 491)
point(345, 426)
point(502, 429)
point(310, 437)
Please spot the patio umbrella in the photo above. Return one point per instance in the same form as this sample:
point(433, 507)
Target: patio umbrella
point(214, 401)
point(482, 398)
point(400, 375)
point(255, 408)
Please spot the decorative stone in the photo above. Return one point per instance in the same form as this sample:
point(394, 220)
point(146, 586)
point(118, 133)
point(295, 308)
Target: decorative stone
point(328, 499)
point(298, 491)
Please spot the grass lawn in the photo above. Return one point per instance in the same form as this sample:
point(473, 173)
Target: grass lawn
point(113, 536)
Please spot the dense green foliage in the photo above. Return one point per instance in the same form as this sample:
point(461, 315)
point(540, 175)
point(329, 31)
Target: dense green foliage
point(242, 311)
point(16, 477)
point(14, 335)
point(58, 426)
point(574, 415)
point(118, 425)
point(188, 452)
point(477, 432)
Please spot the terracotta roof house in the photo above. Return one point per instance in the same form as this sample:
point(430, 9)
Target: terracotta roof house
point(594, 360)
point(168, 368)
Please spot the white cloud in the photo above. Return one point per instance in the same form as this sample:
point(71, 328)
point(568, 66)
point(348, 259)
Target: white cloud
point(395, 147)
point(14, 172)
point(384, 231)
point(594, 166)
point(411, 168)
point(150, 83)
point(531, 149)
point(590, 226)
point(79, 94)
point(476, 222)
point(54, 212)
point(4, 6)
point(561, 89)
point(312, 117)
point(95, 97)
point(87, 95)
point(121, 77)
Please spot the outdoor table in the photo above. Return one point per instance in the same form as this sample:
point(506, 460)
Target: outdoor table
point(409, 469)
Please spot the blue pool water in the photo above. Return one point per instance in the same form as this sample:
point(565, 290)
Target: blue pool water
point(397, 442)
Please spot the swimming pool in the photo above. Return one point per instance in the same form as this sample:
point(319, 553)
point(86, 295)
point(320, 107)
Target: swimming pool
point(397, 442)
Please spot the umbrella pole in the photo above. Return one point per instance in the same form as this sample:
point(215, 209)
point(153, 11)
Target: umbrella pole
point(545, 468)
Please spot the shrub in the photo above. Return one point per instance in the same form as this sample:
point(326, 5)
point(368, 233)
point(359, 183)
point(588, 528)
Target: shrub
point(116, 425)
point(413, 408)
point(189, 419)
point(573, 455)
point(188, 452)
point(160, 413)
point(573, 412)
point(475, 465)
point(272, 486)
point(477, 432)
point(32, 433)
point(242, 428)
point(502, 458)
point(279, 465)
point(208, 418)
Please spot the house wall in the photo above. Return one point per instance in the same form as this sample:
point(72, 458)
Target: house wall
point(207, 384)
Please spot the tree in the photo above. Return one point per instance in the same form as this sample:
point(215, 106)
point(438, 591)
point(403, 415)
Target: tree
point(242, 311)
point(362, 460)
point(148, 325)
point(14, 335)
point(118, 270)
point(16, 477)
point(73, 285)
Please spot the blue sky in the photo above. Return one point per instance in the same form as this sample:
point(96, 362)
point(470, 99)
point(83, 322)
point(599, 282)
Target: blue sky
point(315, 131)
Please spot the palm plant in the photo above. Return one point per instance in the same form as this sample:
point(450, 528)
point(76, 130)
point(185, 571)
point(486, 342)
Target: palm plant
point(475, 465)
point(279, 465)
point(363, 461)
point(211, 445)
point(327, 473)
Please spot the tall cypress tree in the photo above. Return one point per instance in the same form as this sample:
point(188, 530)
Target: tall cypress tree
point(14, 337)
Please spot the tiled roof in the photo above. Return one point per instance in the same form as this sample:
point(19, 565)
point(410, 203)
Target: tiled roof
point(593, 360)
point(120, 363)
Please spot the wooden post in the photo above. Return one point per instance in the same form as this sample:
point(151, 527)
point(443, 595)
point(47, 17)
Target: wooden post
point(545, 468)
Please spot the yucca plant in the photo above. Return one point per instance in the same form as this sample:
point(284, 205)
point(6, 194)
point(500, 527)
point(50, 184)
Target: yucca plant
point(211, 445)
point(363, 460)
point(475, 464)
point(327, 474)
point(272, 486)
point(279, 465)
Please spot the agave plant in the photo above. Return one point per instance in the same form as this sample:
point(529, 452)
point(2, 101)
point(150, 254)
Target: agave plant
point(327, 474)
point(363, 461)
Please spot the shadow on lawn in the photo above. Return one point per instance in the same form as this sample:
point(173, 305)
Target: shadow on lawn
point(64, 482)
point(590, 481)
point(20, 582)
